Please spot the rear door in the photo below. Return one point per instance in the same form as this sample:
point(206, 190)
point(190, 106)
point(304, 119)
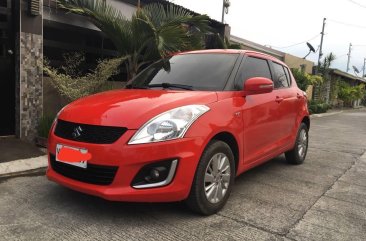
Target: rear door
point(259, 111)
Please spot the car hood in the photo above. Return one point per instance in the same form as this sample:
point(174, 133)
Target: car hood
point(130, 108)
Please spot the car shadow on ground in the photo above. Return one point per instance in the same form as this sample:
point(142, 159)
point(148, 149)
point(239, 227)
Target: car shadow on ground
point(83, 204)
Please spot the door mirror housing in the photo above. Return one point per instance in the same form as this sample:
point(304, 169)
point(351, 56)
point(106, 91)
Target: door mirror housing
point(257, 85)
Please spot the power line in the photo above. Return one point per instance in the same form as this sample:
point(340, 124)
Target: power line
point(357, 3)
point(292, 45)
point(343, 55)
point(347, 24)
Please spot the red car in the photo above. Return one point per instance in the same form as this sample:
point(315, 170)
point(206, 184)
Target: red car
point(181, 130)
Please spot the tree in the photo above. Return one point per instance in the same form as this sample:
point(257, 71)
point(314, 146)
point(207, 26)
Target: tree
point(154, 31)
point(326, 63)
point(321, 90)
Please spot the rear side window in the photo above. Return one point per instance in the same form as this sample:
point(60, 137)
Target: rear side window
point(253, 67)
point(280, 80)
point(288, 75)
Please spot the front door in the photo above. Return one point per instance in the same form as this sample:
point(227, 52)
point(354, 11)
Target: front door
point(260, 111)
point(7, 76)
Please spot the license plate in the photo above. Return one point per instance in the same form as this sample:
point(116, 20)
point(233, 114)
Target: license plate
point(76, 153)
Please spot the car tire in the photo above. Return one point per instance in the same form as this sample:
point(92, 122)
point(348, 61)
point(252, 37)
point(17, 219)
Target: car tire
point(213, 179)
point(297, 155)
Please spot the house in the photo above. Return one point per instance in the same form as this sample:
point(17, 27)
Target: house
point(33, 29)
point(328, 91)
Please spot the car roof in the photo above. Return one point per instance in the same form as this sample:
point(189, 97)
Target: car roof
point(234, 51)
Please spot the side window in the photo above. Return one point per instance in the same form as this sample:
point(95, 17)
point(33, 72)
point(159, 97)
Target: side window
point(288, 75)
point(280, 80)
point(253, 67)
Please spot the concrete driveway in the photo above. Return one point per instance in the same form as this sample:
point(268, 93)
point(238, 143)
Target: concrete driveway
point(323, 199)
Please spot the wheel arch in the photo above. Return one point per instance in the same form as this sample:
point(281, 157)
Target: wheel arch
point(229, 139)
point(306, 120)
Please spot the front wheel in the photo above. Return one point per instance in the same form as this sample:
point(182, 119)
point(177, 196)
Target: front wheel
point(298, 153)
point(213, 180)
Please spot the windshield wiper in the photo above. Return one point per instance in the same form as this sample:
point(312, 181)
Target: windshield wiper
point(130, 86)
point(169, 85)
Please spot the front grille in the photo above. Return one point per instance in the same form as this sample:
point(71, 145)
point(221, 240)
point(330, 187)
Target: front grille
point(88, 133)
point(93, 174)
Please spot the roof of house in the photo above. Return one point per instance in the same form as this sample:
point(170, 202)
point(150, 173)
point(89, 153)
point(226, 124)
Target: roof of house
point(234, 51)
point(258, 47)
point(347, 75)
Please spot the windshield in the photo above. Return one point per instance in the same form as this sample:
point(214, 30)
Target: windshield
point(188, 71)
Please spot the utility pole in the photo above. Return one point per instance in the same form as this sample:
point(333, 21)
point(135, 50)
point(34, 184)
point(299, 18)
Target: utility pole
point(349, 56)
point(321, 45)
point(364, 66)
point(225, 9)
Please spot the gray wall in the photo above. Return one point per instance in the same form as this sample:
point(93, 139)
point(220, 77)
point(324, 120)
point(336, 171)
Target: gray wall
point(29, 81)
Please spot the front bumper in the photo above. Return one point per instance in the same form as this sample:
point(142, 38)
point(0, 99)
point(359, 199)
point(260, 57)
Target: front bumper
point(130, 159)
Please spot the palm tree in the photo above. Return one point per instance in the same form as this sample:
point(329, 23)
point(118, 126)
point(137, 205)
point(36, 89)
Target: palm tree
point(154, 31)
point(326, 63)
point(326, 88)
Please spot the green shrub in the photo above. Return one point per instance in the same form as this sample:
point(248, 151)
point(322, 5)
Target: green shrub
point(349, 93)
point(303, 79)
point(72, 84)
point(44, 125)
point(316, 107)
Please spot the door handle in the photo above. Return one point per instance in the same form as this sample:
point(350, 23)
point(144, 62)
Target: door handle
point(279, 99)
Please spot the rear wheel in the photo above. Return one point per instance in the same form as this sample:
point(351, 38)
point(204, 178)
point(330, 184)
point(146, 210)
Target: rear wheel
point(213, 180)
point(298, 153)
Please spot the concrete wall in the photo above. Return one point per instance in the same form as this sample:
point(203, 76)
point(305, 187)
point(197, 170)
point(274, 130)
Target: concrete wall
point(297, 63)
point(53, 102)
point(309, 92)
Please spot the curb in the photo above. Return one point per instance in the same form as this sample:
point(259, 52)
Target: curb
point(326, 114)
point(24, 167)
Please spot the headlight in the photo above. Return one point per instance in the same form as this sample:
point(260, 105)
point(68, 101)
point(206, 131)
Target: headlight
point(58, 113)
point(169, 125)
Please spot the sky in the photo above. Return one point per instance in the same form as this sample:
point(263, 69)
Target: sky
point(283, 23)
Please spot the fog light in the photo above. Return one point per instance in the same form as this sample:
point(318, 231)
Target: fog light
point(155, 175)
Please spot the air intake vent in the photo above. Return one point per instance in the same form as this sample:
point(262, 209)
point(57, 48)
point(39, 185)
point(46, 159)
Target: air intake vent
point(93, 174)
point(34, 6)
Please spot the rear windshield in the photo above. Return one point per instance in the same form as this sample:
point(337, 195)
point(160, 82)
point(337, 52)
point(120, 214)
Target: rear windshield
point(200, 71)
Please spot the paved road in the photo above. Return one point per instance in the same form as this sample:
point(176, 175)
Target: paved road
point(323, 199)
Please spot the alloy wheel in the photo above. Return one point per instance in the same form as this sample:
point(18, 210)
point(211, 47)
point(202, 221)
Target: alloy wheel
point(302, 143)
point(217, 178)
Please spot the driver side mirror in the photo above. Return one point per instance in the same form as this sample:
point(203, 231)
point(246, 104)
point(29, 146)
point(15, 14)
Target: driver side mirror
point(257, 85)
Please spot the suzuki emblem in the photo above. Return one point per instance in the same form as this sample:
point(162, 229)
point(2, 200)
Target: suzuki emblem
point(77, 132)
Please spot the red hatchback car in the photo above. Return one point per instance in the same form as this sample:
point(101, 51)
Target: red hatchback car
point(181, 130)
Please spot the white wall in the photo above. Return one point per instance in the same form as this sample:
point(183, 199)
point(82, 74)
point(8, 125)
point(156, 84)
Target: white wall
point(126, 9)
point(73, 19)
